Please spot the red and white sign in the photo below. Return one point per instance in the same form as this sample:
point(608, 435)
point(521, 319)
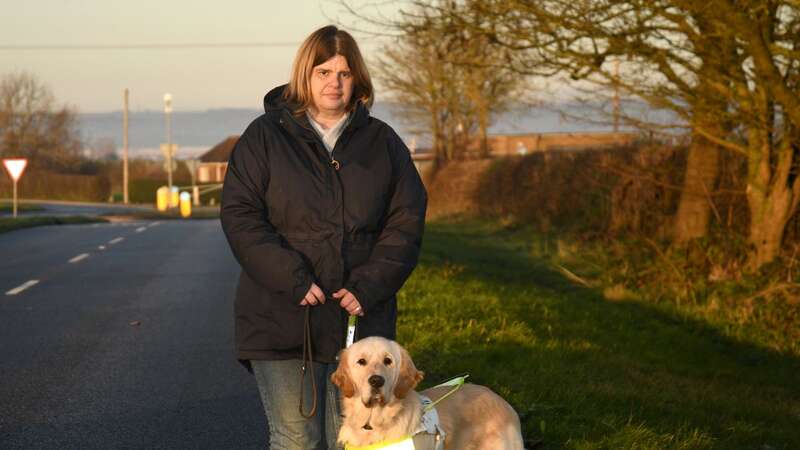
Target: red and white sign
point(15, 167)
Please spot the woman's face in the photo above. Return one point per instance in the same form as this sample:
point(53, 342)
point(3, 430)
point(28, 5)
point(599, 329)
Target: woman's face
point(331, 86)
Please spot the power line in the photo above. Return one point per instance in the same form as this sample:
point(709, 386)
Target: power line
point(162, 46)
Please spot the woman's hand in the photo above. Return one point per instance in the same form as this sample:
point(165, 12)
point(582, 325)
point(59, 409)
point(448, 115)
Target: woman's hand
point(314, 296)
point(349, 302)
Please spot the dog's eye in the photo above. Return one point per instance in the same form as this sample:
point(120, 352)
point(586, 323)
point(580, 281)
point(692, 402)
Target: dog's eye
point(362, 362)
point(387, 361)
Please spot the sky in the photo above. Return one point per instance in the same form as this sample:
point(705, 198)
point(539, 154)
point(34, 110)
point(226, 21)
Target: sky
point(92, 80)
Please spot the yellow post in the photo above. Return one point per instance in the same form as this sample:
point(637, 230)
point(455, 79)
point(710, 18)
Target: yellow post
point(186, 204)
point(174, 199)
point(162, 198)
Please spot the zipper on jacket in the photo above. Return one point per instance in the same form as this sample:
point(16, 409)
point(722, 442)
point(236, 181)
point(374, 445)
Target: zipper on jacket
point(343, 140)
point(336, 166)
point(333, 162)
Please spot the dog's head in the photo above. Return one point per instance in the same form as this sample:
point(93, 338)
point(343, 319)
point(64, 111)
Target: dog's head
point(376, 370)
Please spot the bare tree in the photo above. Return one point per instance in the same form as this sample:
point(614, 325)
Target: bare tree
point(726, 69)
point(590, 40)
point(32, 126)
point(419, 94)
point(447, 77)
point(764, 89)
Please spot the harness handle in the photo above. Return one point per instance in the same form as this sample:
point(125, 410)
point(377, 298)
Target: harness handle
point(456, 383)
point(351, 330)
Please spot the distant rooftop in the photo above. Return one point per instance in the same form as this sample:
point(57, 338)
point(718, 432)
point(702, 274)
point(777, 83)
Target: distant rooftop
point(220, 152)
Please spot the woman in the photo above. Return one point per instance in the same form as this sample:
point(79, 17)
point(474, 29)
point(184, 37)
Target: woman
point(324, 210)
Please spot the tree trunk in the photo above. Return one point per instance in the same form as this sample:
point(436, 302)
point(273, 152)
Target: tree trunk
point(440, 157)
point(449, 141)
point(772, 200)
point(483, 124)
point(702, 165)
point(694, 208)
point(769, 215)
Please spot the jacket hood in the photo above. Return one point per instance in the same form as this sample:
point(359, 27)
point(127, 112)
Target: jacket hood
point(274, 101)
point(274, 98)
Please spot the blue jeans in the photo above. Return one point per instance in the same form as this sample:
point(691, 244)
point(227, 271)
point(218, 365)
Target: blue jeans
point(279, 386)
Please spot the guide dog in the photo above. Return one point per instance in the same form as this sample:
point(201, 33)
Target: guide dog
point(377, 378)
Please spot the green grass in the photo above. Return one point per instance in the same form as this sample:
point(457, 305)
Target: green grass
point(582, 371)
point(10, 224)
point(7, 207)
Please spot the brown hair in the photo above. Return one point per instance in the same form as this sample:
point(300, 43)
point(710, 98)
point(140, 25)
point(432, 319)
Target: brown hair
point(320, 46)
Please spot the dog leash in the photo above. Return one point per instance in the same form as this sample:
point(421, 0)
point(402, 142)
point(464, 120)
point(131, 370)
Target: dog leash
point(308, 363)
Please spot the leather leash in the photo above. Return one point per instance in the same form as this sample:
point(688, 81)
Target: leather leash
point(308, 363)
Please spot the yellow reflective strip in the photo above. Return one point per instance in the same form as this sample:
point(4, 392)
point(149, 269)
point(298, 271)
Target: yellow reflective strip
point(406, 444)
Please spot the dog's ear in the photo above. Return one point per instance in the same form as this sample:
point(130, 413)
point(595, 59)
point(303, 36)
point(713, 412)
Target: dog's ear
point(409, 376)
point(341, 377)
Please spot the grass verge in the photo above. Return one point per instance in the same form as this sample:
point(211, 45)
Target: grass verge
point(10, 224)
point(585, 372)
point(6, 207)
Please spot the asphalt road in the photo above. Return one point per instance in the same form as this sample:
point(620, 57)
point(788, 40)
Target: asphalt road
point(129, 346)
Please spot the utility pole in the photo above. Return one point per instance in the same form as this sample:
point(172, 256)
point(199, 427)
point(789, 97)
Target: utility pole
point(167, 113)
point(125, 198)
point(616, 95)
point(192, 164)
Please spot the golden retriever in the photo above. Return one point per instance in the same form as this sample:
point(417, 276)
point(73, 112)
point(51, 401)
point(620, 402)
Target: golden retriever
point(377, 378)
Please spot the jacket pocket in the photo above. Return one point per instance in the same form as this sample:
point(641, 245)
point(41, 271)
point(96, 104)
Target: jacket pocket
point(267, 320)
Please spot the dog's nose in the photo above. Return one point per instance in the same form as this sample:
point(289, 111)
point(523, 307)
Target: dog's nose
point(376, 381)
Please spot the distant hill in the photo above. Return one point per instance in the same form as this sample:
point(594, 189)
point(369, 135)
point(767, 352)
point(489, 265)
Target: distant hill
point(197, 131)
point(193, 131)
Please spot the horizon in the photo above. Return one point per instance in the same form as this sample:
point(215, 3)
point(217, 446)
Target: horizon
point(199, 130)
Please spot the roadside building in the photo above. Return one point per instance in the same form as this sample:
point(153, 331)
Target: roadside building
point(214, 163)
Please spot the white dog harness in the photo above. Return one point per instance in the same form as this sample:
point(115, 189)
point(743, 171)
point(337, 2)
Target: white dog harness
point(429, 435)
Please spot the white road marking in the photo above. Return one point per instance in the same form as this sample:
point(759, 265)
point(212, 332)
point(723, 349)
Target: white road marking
point(154, 224)
point(101, 247)
point(22, 287)
point(79, 257)
point(140, 229)
point(116, 240)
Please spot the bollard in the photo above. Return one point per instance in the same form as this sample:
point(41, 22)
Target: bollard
point(186, 204)
point(162, 198)
point(174, 197)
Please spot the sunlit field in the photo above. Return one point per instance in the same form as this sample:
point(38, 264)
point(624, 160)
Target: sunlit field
point(585, 372)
